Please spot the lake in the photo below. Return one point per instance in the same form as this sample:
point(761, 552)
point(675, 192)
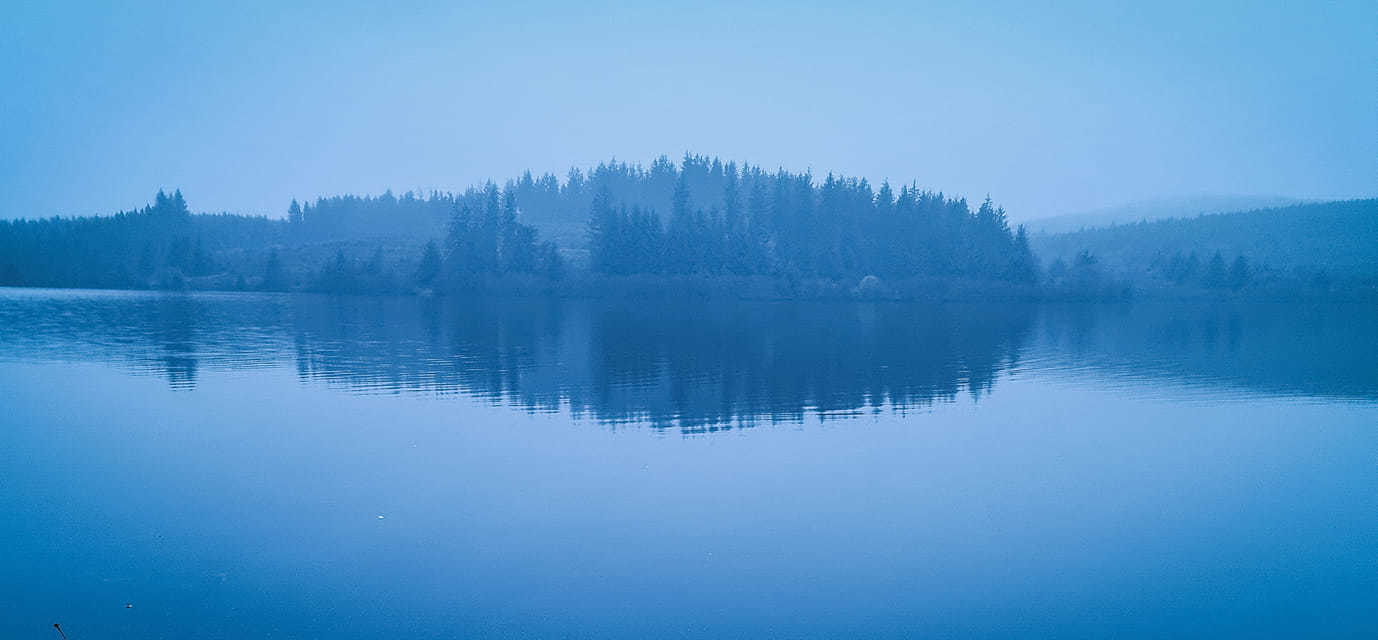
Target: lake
point(297, 466)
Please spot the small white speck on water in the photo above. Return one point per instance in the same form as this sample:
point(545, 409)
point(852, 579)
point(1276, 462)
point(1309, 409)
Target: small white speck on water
point(380, 516)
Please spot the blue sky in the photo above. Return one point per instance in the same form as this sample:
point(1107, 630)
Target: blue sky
point(1048, 108)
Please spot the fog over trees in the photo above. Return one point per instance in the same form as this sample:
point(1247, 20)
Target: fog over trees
point(702, 225)
point(702, 217)
point(1329, 247)
point(780, 223)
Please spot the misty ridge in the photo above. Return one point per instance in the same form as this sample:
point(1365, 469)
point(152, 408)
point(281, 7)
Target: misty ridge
point(1329, 247)
point(702, 227)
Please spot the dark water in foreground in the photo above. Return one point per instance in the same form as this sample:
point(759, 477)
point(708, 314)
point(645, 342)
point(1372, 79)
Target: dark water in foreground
point(245, 466)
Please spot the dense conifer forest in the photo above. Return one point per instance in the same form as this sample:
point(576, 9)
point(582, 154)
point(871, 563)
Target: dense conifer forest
point(702, 226)
point(701, 221)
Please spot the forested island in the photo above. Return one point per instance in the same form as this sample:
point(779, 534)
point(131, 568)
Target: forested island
point(701, 226)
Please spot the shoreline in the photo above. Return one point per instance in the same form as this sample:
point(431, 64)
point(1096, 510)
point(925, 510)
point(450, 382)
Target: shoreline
point(764, 289)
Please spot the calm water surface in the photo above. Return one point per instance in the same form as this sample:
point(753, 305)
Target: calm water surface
point(259, 466)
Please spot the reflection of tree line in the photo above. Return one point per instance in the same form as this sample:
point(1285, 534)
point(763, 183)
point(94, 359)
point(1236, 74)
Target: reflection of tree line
point(739, 364)
point(696, 366)
point(173, 335)
point(1313, 349)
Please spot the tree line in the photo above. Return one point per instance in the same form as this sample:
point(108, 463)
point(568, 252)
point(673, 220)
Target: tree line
point(161, 245)
point(786, 224)
point(701, 217)
point(1328, 248)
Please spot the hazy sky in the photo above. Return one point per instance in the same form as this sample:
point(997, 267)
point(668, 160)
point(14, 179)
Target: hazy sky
point(1049, 109)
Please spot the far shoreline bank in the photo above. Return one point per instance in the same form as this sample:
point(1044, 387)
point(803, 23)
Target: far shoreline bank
point(766, 289)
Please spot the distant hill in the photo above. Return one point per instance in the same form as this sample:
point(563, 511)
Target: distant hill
point(1158, 209)
point(1329, 240)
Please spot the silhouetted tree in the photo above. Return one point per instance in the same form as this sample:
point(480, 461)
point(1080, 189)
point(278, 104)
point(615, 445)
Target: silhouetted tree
point(1240, 273)
point(428, 271)
point(274, 276)
point(338, 275)
point(552, 263)
point(1216, 276)
point(294, 216)
point(1023, 265)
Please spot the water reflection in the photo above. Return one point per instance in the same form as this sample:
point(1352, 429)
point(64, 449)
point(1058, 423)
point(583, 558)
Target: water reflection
point(695, 366)
point(1294, 349)
point(698, 367)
